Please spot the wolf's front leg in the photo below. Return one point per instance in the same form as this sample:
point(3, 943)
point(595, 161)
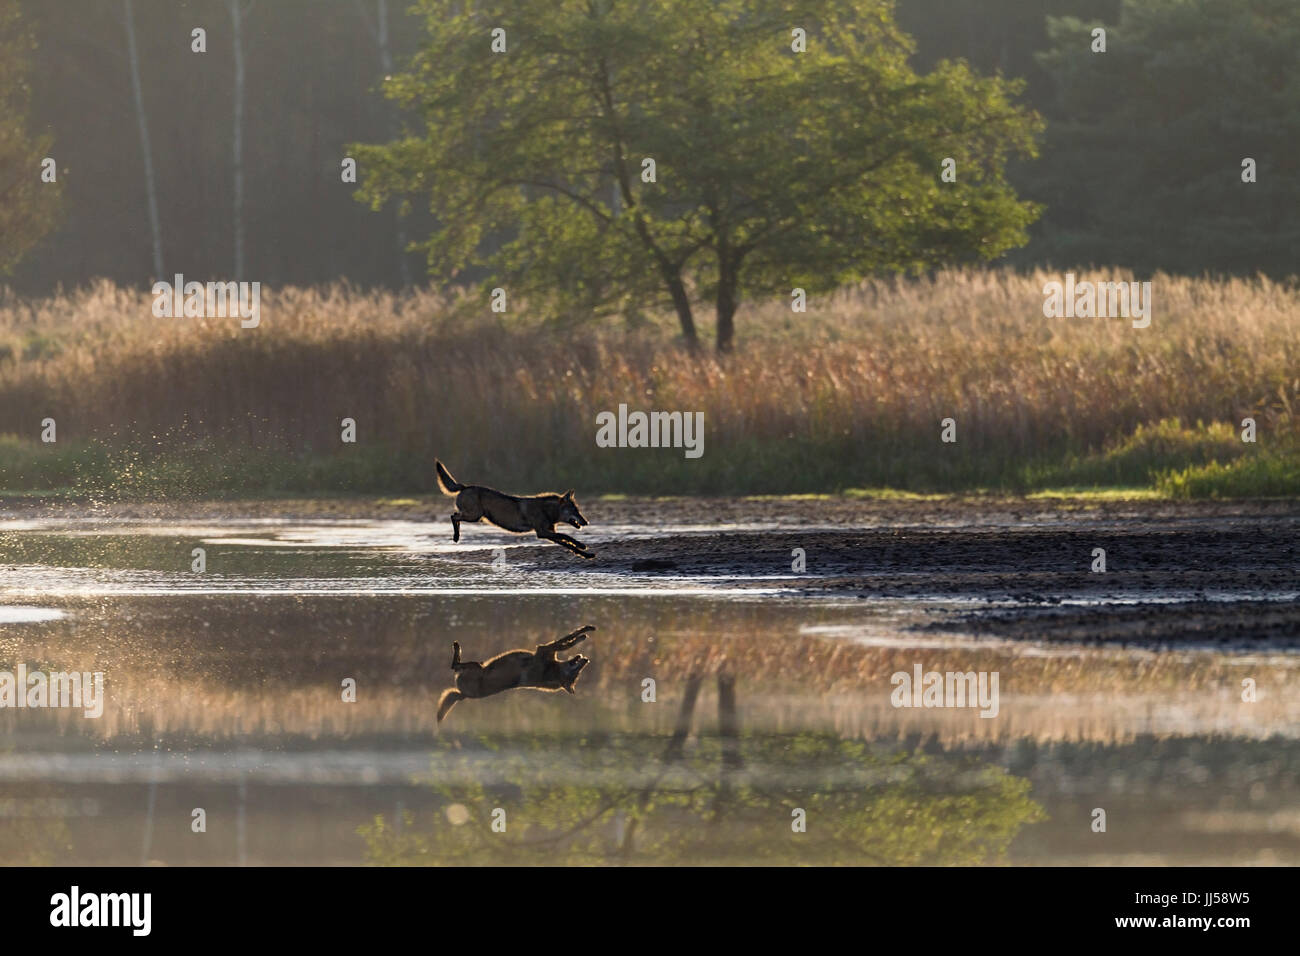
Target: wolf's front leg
point(577, 547)
point(574, 545)
point(565, 642)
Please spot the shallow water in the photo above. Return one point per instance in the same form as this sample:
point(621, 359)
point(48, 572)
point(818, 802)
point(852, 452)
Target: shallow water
point(224, 691)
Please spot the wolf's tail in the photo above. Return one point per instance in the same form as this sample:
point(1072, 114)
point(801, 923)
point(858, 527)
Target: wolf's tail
point(448, 484)
point(447, 701)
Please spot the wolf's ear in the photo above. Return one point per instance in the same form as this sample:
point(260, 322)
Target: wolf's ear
point(569, 494)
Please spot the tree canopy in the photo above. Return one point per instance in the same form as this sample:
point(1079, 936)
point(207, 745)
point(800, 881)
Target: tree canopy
point(1142, 162)
point(627, 800)
point(595, 156)
point(27, 205)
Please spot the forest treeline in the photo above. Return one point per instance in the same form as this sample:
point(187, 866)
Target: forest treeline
point(1138, 168)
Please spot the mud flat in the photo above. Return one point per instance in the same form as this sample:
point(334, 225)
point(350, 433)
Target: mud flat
point(1204, 574)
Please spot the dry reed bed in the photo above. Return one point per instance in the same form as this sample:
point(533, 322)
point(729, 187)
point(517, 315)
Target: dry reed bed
point(870, 370)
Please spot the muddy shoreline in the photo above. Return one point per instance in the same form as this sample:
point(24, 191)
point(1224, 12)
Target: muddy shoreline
point(1206, 580)
point(1177, 574)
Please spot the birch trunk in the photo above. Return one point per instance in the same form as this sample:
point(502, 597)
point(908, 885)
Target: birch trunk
point(386, 64)
point(237, 160)
point(150, 185)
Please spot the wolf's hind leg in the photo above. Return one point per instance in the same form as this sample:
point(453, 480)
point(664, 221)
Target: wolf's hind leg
point(455, 656)
point(455, 526)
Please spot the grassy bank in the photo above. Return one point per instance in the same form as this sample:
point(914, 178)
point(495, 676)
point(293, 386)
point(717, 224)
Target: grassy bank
point(849, 395)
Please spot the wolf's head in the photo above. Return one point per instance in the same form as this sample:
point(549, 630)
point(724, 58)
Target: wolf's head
point(569, 510)
point(571, 669)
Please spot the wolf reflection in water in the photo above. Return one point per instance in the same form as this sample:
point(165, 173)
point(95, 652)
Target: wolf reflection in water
point(538, 670)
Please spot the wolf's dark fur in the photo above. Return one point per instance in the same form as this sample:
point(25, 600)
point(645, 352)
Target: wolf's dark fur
point(519, 514)
point(537, 669)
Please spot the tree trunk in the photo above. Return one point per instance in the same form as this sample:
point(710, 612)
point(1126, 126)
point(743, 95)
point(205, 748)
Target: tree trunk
point(238, 151)
point(682, 303)
point(677, 743)
point(150, 186)
point(729, 722)
point(386, 64)
point(728, 276)
point(672, 753)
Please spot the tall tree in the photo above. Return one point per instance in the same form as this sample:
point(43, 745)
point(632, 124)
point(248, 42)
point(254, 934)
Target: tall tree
point(743, 159)
point(1143, 158)
point(238, 10)
point(379, 33)
point(28, 206)
point(142, 121)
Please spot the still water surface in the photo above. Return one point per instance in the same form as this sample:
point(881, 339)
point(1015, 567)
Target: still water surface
point(225, 692)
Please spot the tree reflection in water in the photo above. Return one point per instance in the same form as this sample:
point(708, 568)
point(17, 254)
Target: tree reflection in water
point(729, 798)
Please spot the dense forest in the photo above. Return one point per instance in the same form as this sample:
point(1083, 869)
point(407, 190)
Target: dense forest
point(246, 140)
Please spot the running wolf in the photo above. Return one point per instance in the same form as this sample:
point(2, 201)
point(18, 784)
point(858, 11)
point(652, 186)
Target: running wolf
point(519, 514)
point(537, 669)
